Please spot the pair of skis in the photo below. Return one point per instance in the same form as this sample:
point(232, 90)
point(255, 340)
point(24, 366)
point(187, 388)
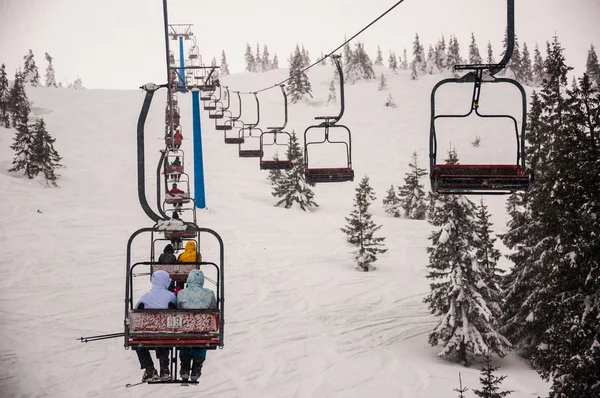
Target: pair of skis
point(158, 381)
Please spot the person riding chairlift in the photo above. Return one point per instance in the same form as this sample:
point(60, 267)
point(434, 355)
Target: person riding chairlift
point(176, 162)
point(178, 137)
point(176, 191)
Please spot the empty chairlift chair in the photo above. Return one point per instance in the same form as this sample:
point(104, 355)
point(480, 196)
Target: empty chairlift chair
point(330, 174)
point(275, 137)
point(250, 147)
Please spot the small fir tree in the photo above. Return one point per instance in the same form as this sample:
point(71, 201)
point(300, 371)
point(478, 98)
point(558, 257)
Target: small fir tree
point(44, 156)
point(490, 382)
point(360, 228)
point(393, 62)
point(265, 60)
point(490, 54)
point(275, 64)
point(298, 87)
point(30, 70)
point(332, 97)
point(474, 56)
point(249, 58)
point(292, 187)
point(440, 57)
point(418, 55)
point(592, 66)
point(50, 75)
point(414, 74)
point(538, 66)
point(404, 63)
point(258, 59)
point(378, 58)
point(382, 83)
point(389, 102)
point(224, 66)
point(4, 98)
point(460, 390)
point(412, 193)
point(391, 203)
point(431, 64)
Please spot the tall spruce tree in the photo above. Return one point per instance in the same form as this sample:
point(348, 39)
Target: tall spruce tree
point(360, 66)
point(515, 60)
point(412, 193)
point(224, 66)
point(50, 74)
point(526, 67)
point(454, 57)
point(391, 203)
point(441, 58)
point(458, 290)
point(250, 60)
point(360, 228)
point(4, 101)
point(298, 87)
point(538, 66)
point(18, 104)
point(30, 70)
point(474, 56)
point(418, 55)
point(490, 54)
point(257, 59)
point(275, 64)
point(490, 382)
point(379, 57)
point(23, 142)
point(44, 156)
point(265, 60)
point(292, 188)
point(592, 66)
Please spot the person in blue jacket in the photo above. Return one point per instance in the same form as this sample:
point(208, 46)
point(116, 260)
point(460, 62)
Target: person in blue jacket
point(194, 296)
point(159, 298)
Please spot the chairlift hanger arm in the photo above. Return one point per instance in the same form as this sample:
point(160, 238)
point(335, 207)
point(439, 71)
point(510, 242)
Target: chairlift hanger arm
point(285, 110)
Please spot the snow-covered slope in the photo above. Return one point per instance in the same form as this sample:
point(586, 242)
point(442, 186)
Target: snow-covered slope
point(300, 321)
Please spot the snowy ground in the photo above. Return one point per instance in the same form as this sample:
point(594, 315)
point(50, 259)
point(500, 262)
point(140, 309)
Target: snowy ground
point(300, 322)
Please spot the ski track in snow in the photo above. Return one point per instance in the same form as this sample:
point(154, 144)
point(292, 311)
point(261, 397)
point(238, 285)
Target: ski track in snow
point(300, 322)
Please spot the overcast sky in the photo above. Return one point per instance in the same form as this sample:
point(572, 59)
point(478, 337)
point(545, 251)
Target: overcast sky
point(120, 43)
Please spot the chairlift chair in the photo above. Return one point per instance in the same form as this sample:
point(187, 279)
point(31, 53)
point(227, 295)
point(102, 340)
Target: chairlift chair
point(482, 179)
point(246, 133)
point(270, 138)
point(330, 174)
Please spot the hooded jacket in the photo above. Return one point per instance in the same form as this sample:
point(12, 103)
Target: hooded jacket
point(195, 295)
point(167, 257)
point(189, 255)
point(159, 297)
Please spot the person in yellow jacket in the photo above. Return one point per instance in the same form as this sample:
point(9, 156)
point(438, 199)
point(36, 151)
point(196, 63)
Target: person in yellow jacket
point(189, 255)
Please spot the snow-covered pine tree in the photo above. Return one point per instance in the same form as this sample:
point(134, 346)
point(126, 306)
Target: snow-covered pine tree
point(474, 56)
point(454, 57)
point(379, 57)
point(592, 66)
point(538, 66)
point(460, 390)
point(391, 203)
point(389, 102)
point(275, 64)
point(4, 90)
point(360, 66)
point(347, 53)
point(224, 66)
point(440, 56)
point(404, 63)
point(323, 59)
point(418, 55)
point(431, 64)
point(414, 74)
point(50, 74)
point(458, 289)
point(249, 58)
point(490, 54)
point(77, 84)
point(393, 62)
point(490, 382)
point(382, 83)
point(305, 57)
point(526, 67)
point(43, 155)
point(257, 59)
point(292, 187)
point(360, 228)
point(30, 70)
point(412, 194)
point(298, 87)
point(515, 60)
point(332, 97)
point(18, 104)
point(265, 61)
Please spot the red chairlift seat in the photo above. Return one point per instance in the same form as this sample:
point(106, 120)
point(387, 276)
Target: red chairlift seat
point(170, 234)
point(454, 178)
point(170, 169)
point(275, 164)
point(173, 328)
point(250, 153)
point(177, 198)
point(316, 175)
